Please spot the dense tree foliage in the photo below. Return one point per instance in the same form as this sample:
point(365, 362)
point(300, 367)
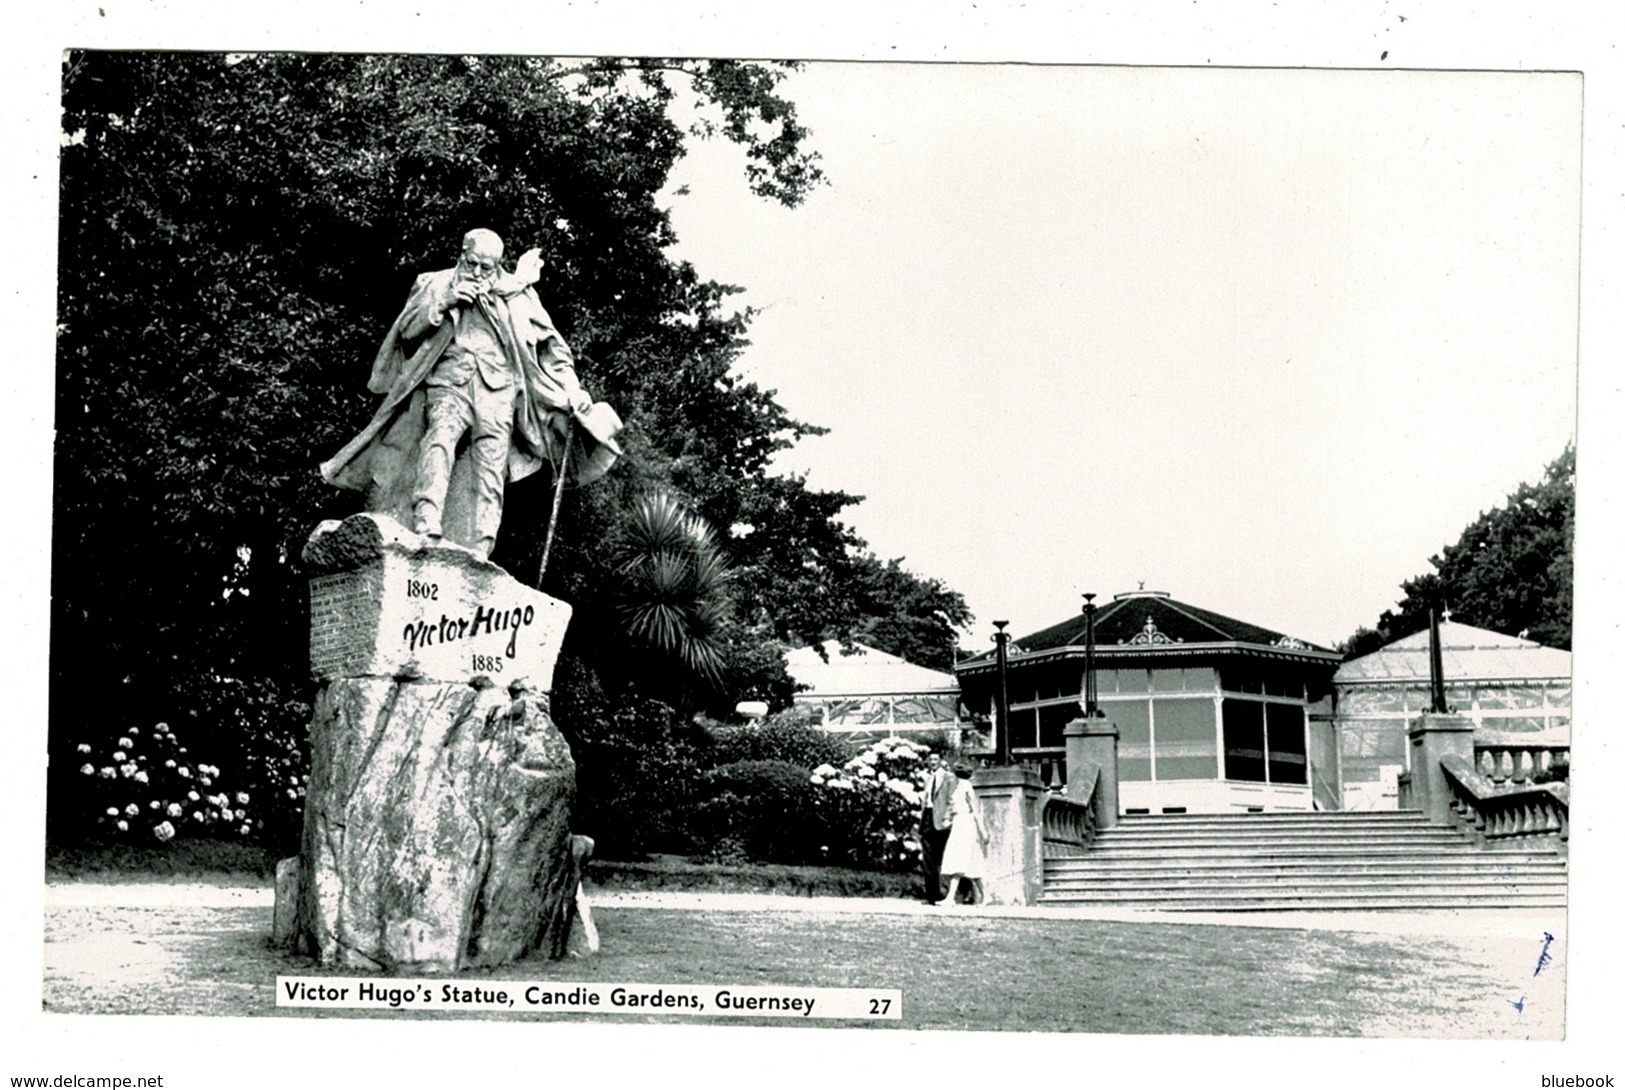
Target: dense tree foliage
point(1512, 571)
point(236, 233)
point(908, 616)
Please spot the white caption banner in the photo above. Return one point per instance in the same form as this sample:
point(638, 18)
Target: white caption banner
point(567, 997)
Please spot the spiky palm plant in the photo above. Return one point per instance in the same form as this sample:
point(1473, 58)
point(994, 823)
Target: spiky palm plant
point(673, 599)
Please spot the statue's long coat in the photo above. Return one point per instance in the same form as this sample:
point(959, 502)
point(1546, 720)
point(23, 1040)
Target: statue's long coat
point(383, 458)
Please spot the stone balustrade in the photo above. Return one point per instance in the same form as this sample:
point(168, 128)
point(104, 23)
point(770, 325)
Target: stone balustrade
point(1504, 762)
point(1507, 812)
point(1026, 823)
point(1069, 825)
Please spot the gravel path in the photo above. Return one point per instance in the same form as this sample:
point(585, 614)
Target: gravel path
point(1494, 923)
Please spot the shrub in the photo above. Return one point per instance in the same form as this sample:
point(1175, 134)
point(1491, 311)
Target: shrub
point(792, 736)
point(869, 807)
point(638, 768)
point(760, 810)
point(241, 743)
point(259, 730)
point(146, 787)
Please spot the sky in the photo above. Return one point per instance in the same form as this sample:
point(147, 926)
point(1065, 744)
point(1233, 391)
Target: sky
point(1266, 340)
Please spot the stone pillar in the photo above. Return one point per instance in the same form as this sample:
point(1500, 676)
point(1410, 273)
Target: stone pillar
point(437, 818)
point(1434, 737)
point(285, 911)
point(1092, 743)
point(1011, 801)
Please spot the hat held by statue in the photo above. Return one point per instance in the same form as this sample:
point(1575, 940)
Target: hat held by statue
point(600, 423)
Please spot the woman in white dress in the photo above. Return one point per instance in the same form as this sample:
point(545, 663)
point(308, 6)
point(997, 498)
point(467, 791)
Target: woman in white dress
point(967, 839)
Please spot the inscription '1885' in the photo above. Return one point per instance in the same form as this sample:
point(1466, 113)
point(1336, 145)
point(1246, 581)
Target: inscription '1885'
point(483, 622)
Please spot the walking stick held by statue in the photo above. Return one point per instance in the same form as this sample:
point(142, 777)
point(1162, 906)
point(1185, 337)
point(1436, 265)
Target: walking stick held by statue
point(558, 500)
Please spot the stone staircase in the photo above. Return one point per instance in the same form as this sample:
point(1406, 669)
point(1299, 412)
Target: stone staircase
point(1394, 860)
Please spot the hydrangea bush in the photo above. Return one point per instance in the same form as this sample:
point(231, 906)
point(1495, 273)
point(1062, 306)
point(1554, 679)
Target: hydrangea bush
point(869, 807)
point(145, 785)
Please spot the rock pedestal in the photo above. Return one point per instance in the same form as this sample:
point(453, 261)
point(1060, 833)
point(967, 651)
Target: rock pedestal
point(437, 817)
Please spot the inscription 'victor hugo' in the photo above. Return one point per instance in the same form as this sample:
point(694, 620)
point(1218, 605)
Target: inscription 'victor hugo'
point(484, 622)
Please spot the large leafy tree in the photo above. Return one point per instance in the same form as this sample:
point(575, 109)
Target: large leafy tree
point(236, 232)
point(1512, 571)
point(914, 618)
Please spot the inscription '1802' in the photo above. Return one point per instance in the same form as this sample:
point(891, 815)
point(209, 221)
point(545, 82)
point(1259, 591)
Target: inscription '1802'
point(483, 622)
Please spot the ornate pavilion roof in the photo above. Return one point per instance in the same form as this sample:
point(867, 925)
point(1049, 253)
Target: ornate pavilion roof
point(1151, 622)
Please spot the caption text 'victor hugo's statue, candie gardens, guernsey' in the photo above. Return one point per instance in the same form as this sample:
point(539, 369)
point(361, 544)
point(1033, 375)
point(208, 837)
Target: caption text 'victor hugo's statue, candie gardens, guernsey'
point(473, 354)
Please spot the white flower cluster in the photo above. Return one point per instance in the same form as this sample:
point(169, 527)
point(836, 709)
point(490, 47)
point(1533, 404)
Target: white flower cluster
point(126, 762)
point(827, 775)
point(886, 780)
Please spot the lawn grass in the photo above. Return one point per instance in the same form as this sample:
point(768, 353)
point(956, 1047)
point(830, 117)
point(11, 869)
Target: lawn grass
point(220, 862)
point(956, 971)
point(678, 873)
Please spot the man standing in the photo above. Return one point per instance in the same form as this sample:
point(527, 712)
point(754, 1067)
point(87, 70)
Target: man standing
point(936, 817)
point(473, 356)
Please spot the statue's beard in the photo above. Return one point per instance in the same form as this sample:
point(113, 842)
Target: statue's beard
point(481, 283)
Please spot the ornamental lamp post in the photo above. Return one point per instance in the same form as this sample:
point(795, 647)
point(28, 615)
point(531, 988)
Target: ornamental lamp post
point(1436, 667)
point(1001, 698)
point(1091, 709)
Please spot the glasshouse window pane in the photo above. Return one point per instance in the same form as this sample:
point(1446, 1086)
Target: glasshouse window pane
point(1023, 729)
point(1288, 764)
point(1521, 697)
point(1282, 684)
point(1241, 679)
point(1244, 740)
point(1514, 724)
point(1052, 723)
point(1133, 681)
point(1185, 743)
point(1371, 702)
point(1181, 680)
point(1200, 679)
point(1133, 721)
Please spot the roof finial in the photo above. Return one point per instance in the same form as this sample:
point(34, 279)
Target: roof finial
point(1142, 584)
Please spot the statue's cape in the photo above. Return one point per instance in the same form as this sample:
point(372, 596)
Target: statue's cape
point(382, 459)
